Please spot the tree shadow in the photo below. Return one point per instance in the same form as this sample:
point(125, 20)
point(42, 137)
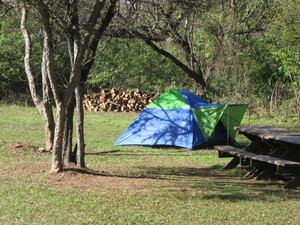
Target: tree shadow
point(160, 151)
point(211, 182)
point(103, 153)
point(88, 171)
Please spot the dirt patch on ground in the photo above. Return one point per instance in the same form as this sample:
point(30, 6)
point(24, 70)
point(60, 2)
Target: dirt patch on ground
point(24, 146)
point(111, 181)
point(166, 180)
point(143, 178)
point(21, 146)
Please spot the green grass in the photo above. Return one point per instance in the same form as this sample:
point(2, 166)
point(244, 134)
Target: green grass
point(131, 185)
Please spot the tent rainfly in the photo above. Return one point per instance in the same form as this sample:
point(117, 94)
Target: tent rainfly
point(180, 118)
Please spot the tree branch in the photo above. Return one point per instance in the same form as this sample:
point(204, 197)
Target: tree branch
point(91, 51)
point(192, 74)
point(48, 49)
point(27, 56)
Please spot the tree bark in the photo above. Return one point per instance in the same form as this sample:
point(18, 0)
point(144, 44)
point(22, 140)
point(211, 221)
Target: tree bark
point(80, 154)
point(57, 162)
point(49, 126)
point(68, 133)
point(48, 58)
point(43, 103)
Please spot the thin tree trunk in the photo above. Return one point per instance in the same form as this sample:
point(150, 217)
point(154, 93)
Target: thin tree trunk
point(49, 126)
point(81, 40)
point(57, 162)
point(80, 127)
point(48, 58)
point(42, 103)
point(68, 133)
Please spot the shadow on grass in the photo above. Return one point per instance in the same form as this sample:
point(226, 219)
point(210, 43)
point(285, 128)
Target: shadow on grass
point(211, 182)
point(103, 153)
point(106, 174)
point(149, 152)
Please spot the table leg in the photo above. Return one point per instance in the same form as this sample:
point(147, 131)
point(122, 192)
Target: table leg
point(254, 173)
point(266, 174)
point(294, 182)
point(234, 162)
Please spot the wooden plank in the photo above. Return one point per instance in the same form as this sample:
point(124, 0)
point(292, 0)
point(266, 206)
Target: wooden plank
point(265, 166)
point(234, 151)
point(266, 132)
point(288, 139)
point(263, 158)
point(275, 161)
point(224, 154)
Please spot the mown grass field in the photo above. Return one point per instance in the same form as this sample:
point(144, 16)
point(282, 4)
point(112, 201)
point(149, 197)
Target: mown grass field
point(131, 185)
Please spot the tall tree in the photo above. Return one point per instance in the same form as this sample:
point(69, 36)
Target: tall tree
point(200, 37)
point(82, 24)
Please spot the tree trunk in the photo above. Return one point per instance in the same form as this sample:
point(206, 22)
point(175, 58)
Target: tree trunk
point(57, 162)
point(48, 16)
point(80, 127)
point(68, 133)
point(49, 126)
point(42, 103)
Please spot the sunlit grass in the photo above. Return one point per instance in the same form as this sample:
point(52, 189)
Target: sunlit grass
point(130, 185)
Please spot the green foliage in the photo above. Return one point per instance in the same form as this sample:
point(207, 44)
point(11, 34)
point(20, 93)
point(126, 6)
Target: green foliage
point(285, 47)
point(131, 64)
point(12, 76)
point(248, 51)
point(13, 80)
point(255, 52)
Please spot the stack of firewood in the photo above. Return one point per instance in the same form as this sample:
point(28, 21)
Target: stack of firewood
point(111, 100)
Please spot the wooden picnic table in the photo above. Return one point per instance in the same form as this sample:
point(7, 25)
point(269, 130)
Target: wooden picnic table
point(272, 153)
point(265, 132)
point(273, 141)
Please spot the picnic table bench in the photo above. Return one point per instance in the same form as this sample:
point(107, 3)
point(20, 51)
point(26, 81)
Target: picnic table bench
point(273, 153)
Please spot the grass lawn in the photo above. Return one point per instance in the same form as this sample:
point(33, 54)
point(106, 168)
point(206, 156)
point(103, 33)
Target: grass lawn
point(131, 185)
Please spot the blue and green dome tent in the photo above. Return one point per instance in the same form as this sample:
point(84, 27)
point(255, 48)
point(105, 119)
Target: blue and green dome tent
point(180, 118)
